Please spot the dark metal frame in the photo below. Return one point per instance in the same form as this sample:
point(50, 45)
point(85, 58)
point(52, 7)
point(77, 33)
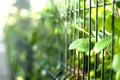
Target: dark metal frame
point(66, 69)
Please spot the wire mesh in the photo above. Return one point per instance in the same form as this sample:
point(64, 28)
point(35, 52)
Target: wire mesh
point(88, 18)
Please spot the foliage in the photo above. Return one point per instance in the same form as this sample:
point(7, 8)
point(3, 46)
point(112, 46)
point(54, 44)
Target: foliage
point(80, 45)
point(102, 44)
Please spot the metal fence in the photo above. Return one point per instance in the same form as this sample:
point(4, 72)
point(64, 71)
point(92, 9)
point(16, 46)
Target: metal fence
point(87, 55)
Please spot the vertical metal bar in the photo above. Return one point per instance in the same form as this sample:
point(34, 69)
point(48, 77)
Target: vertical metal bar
point(66, 43)
point(78, 36)
point(84, 23)
point(67, 54)
point(68, 38)
point(52, 63)
point(65, 38)
point(96, 29)
point(112, 53)
point(69, 7)
point(74, 31)
point(73, 36)
point(89, 40)
point(78, 65)
point(102, 72)
point(70, 35)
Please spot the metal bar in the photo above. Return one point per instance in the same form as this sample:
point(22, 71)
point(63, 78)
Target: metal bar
point(84, 24)
point(76, 72)
point(87, 8)
point(61, 54)
point(72, 70)
point(66, 38)
point(73, 37)
point(70, 35)
point(112, 53)
point(102, 71)
point(96, 29)
point(78, 37)
point(64, 58)
point(89, 41)
point(69, 61)
point(68, 41)
point(74, 33)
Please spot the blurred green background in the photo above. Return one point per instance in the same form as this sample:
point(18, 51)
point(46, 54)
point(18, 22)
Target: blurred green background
point(32, 38)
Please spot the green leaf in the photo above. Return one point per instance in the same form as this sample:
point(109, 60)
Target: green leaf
point(99, 23)
point(100, 20)
point(108, 25)
point(117, 76)
point(118, 3)
point(80, 29)
point(116, 62)
point(80, 45)
point(100, 45)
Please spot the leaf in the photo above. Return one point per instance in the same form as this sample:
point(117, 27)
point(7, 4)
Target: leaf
point(116, 44)
point(118, 3)
point(100, 19)
point(80, 29)
point(108, 25)
point(80, 45)
point(99, 23)
point(100, 45)
point(117, 76)
point(116, 62)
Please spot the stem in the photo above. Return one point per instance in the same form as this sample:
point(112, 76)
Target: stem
point(80, 29)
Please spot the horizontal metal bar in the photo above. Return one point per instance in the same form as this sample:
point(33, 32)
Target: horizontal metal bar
point(99, 5)
point(72, 69)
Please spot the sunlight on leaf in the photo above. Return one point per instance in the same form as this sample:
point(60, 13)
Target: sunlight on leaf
point(100, 45)
point(117, 76)
point(80, 45)
point(108, 25)
point(116, 62)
